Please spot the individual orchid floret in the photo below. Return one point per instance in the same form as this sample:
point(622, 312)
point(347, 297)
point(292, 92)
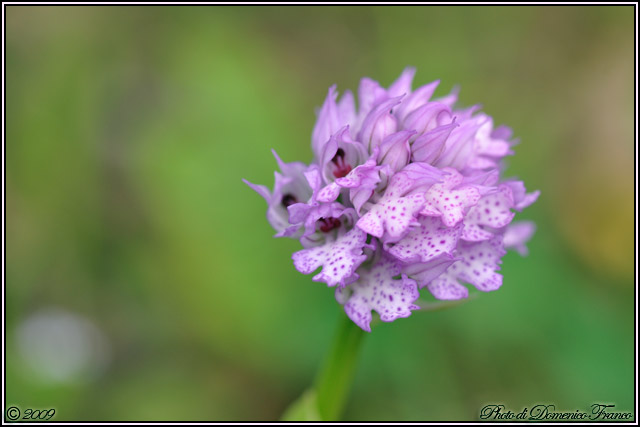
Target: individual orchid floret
point(339, 256)
point(477, 265)
point(315, 217)
point(491, 212)
point(396, 211)
point(290, 187)
point(340, 155)
point(361, 182)
point(403, 193)
point(427, 241)
point(449, 200)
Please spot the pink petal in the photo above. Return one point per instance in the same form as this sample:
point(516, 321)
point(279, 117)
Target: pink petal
point(378, 124)
point(402, 86)
point(339, 259)
point(327, 124)
point(517, 235)
point(491, 211)
point(478, 264)
point(376, 289)
point(418, 98)
point(427, 241)
point(449, 202)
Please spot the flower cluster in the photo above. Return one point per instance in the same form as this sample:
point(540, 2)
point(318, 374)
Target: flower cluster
point(404, 193)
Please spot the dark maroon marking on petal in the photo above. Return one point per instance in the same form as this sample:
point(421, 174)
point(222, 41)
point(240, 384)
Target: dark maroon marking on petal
point(342, 168)
point(328, 224)
point(288, 200)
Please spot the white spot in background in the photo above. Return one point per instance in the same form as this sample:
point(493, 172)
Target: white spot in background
point(62, 347)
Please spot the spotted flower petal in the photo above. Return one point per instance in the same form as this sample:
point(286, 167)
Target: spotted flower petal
point(447, 288)
point(395, 212)
point(427, 241)
point(492, 211)
point(477, 265)
point(330, 192)
point(377, 290)
point(392, 216)
point(450, 201)
point(338, 258)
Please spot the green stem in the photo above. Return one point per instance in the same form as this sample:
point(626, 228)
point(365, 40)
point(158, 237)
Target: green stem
point(333, 382)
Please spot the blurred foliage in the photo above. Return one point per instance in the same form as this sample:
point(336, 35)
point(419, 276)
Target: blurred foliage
point(129, 128)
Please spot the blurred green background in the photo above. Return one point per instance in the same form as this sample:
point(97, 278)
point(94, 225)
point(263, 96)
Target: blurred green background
point(142, 281)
